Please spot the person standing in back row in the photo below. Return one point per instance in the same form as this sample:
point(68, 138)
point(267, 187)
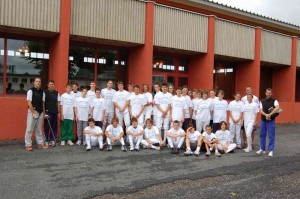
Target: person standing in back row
point(108, 94)
point(52, 106)
point(269, 108)
point(36, 109)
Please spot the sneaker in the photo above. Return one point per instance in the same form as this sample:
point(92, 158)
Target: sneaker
point(239, 147)
point(78, 143)
point(260, 152)
point(188, 152)
point(84, 143)
point(207, 153)
point(70, 143)
point(136, 148)
point(46, 143)
point(221, 151)
point(42, 147)
point(88, 148)
point(270, 154)
point(144, 147)
point(52, 143)
point(196, 153)
point(211, 148)
point(247, 150)
point(177, 151)
point(28, 148)
point(157, 148)
point(217, 154)
point(131, 148)
point(109, 147)
point(63, 143)
point(101, 148)
point(123, 148)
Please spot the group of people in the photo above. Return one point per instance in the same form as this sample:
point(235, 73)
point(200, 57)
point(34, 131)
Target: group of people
point(169, 117)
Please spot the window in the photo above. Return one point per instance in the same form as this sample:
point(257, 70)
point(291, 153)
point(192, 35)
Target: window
point(183, 65)
point(25, 59)
point(163, 63)
point(106, 67)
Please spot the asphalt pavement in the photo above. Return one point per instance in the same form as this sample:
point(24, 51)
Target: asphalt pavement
point(72, 172)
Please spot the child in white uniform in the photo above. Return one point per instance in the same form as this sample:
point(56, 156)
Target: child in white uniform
point(178, 107)
point(192, 141)
point(210, 140)
point(149, 99)
point(93, 135)
point(175, 137)
point(137, 104)
point(219, 110)
point(108, 94)
point(251, 110)
point(114, 133)
point(152, 136)
point(203, 111)
point(236, 110)
point(98, 109)
point(224, 141)
point(121, 102)
point(135, 135)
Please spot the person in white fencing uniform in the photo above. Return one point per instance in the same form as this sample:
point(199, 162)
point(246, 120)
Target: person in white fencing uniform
point(210, 140)
point(219, 109)
point(135, 135)
point(114, 134)
point(108, 94)
point(157, 94)
point(202, 111)
point(149, 99)
point(192, 141)
point(163, 103)
point(137, 104)
point(250, 114)
point(178, 107)
point(236, 110)
point(121, 102)
point(224, 141)
point(175, 136)
point(82, 108)
point(93, 135)
point(98, 109)
point(152, 136)
point(244, 100)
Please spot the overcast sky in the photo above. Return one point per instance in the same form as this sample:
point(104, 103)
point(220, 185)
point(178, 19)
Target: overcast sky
point(283, 10)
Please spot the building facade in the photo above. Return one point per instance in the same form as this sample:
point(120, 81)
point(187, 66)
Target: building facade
point(199, 43)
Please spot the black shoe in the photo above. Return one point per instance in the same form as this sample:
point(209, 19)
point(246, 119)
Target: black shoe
point(177, 151)
point(172, 151)
point(221, 151)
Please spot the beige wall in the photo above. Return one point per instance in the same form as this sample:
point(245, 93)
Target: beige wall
point(298, 53)
point(31, 14)
point(234, 40)
point(179, 29)
point(276, 48)
point(122, 20)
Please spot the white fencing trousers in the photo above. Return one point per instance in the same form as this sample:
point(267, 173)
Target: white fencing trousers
point(231, 147)
point(200, 125)
point(175, 143)
point(249, 130)
point(146, 144)
point(107, 119)
point(135, 140)
point(124, 117)
point(36, 126)
point(235, 131)
point(163, 123)
point(92, 140)
point(109, 142)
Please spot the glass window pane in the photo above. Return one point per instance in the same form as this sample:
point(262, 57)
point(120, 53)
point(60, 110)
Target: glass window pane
point(1, 64)
point(106, 67)
point(163, 63)
point(183, 65)
point(25, 61)
point(81, 65)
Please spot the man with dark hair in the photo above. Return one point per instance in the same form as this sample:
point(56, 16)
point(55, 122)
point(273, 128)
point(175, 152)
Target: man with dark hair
point(269, 108)
point(52, 104)
point(108, 94)
point(36, 109)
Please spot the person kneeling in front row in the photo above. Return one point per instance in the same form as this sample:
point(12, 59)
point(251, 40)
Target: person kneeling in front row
point(175, 137)
point(152, 136)
point(223, 135)
point(192, 141)
point(93, 135)
point(135, 135)
point(114, 133)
